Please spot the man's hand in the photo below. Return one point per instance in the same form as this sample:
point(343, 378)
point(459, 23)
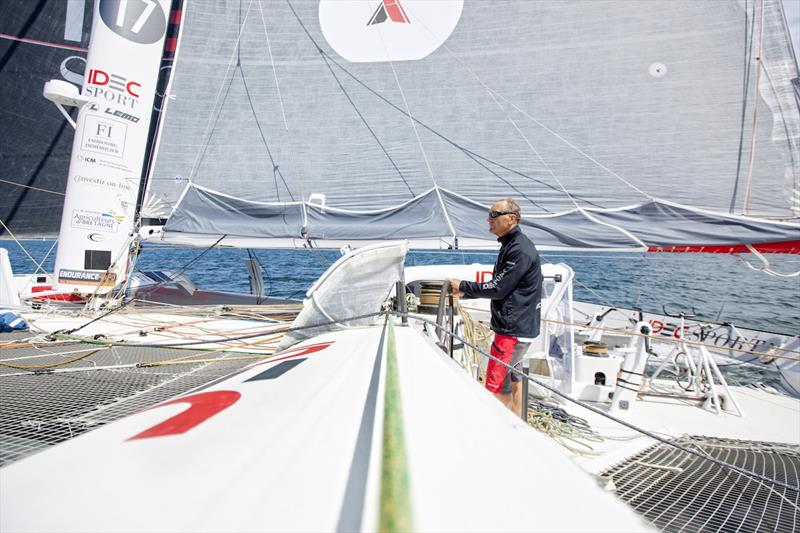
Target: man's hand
point(454, 284)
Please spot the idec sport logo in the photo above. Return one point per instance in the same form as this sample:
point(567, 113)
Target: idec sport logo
point(369, 31)
point(112, 88)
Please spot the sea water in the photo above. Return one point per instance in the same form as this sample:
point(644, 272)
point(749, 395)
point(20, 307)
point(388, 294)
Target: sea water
point(720, 287)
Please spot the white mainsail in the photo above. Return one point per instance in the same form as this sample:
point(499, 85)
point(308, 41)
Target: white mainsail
point(621, 124)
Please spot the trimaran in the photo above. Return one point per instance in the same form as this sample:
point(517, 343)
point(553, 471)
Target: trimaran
point(384, 125)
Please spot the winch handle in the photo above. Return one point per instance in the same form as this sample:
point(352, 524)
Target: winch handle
point(603, 315)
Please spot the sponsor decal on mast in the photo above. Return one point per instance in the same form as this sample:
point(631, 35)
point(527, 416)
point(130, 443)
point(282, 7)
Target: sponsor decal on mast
point(110, 143)
point(371, 31)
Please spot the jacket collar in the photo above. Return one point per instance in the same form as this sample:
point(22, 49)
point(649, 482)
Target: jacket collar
point(508, 236)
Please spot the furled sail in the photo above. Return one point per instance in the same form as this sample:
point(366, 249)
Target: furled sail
point(621, 124)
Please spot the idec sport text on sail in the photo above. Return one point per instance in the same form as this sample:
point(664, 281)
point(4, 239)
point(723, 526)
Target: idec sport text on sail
point(112, 87)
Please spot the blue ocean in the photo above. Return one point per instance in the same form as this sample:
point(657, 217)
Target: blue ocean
point(720, 287)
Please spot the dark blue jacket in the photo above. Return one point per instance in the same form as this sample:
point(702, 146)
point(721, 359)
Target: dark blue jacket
point(515, 289)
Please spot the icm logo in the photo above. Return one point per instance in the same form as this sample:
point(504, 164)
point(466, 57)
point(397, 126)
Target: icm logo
point(140, 21)
point(96, 237)
point(369, 31)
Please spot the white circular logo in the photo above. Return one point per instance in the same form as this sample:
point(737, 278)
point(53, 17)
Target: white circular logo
point(371, 31)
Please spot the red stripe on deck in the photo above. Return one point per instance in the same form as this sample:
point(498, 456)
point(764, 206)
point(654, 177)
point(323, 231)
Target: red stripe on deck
point(781, 247)
point(294, 352)
point(202, 406)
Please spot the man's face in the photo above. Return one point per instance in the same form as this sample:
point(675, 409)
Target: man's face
point(504, 223)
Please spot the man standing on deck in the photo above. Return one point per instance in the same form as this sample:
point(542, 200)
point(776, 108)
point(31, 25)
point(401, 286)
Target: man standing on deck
point(516, 294)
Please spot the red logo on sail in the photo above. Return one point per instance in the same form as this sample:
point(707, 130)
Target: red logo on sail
point(389, 9)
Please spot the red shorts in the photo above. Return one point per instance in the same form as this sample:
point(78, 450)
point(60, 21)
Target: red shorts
point(510, 351)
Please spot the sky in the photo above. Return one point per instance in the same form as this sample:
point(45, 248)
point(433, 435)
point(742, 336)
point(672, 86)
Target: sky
point(792, 10)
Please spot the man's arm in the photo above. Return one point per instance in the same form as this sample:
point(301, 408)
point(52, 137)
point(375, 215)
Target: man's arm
point(503, 283)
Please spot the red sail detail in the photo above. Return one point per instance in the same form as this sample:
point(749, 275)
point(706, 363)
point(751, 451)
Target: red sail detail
point(395, 11)
point(202, 406)
point(175, 16)
point(781, 247)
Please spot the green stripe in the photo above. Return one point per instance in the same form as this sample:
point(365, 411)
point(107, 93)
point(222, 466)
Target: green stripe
point(395, 511)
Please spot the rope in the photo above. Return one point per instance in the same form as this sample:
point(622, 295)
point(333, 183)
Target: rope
point(211, 119)
point(272, 62)
point(31, 187)
point(395, 513)
point(477, 333)
point(50, 365)
point(766, 269)
point(564, 428)
point(756, 98)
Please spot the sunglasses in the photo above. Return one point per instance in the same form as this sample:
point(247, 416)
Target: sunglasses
point(495, 214)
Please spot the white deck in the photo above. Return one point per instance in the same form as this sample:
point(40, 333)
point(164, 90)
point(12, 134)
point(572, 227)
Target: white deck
point(289, 455)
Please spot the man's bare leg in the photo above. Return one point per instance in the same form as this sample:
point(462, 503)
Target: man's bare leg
point(516, 397)
point(505, 399)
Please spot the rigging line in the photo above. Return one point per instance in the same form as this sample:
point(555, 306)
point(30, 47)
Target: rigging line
point(756, 97)
point(364, 121)
point(408, 112)
point(160, 283)
point(31, 187)
point(748, 53)
point(326, 58)
point(276, 171)
point(466, 151)
point(39, 267)
point(793, 150)
point(584, 154)
point(577, 206)
point(22, 247)
point(212, 120)
point(596, 295)
point(419, 142)
point(491, 91)
point(272, 62)
point(472, 155)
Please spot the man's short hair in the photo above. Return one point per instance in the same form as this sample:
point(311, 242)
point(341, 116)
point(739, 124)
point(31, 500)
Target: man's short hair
point(513, 207)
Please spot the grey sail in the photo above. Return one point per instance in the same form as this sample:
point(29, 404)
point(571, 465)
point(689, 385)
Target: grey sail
point(39, 41)
point(614, 124)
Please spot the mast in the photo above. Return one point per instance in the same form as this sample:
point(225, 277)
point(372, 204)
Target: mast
point(110, 144)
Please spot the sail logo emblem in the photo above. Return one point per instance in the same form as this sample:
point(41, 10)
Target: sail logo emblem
point(388, 10)
point(375, 31)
